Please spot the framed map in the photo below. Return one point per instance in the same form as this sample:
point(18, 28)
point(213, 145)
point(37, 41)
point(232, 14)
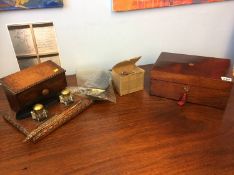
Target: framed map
point(126, 5)
point(29, 4)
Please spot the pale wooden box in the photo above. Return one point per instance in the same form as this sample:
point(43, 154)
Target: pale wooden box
point(127, 77)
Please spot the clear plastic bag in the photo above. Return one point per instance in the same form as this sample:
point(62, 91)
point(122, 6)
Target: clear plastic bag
point(94, 83)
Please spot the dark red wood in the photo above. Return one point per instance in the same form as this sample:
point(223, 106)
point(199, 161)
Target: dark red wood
point(140, 134)
point(173, 73)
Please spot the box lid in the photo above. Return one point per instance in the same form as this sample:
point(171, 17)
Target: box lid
point(126, 66)
point(199, 71)
point(27, 78)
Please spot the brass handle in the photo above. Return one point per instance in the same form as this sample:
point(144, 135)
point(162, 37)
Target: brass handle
point(45, 92)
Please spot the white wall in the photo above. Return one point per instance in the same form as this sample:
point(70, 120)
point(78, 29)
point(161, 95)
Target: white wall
point(89, 33)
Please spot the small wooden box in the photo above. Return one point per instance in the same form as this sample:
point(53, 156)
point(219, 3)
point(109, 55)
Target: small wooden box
point(127, 77)
point(38, 83)
point(205, 80)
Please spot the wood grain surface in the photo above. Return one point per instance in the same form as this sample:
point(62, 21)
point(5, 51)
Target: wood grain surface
point(141, 134)
point(33, 85)
point(200, 76)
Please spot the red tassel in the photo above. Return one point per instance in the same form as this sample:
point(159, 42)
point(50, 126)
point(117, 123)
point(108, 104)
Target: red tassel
point(183, 100)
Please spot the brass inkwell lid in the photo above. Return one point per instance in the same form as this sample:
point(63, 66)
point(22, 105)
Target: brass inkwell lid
point(38, 107)
point(65, 92)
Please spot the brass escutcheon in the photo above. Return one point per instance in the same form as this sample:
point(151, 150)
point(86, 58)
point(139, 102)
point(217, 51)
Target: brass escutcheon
point(56, 70)
point(186, 89)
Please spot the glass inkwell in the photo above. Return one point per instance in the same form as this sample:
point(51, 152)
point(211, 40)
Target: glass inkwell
point(66, 97)
point(39, 113)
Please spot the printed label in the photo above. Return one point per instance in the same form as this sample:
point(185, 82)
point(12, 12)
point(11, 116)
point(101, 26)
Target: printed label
point(226, 79)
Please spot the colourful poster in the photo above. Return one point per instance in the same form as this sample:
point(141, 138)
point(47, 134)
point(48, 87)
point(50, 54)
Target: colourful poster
point(29, 4)
point(126, 5)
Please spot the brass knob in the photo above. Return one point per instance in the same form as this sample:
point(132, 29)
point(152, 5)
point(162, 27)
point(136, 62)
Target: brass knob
point(45, 92)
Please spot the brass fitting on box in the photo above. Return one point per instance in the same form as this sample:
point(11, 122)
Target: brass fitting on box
point(66, 97)
point(39, 113)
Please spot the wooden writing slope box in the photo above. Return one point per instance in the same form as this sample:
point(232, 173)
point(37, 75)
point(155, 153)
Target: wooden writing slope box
point(127, 77)
point(199, 77)
point(35, 84)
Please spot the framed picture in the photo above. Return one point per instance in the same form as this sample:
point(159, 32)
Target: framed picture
point(34, 43)
point(126, 5)
point(29, 4)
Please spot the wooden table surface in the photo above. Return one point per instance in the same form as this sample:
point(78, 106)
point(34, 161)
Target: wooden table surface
point(140, 134)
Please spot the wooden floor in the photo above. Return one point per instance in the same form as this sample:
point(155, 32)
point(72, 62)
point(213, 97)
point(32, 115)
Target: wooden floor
point(140, 134)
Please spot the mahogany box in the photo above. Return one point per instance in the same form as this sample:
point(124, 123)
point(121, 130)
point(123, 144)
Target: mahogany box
point(37, 84)
point(201, 80)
